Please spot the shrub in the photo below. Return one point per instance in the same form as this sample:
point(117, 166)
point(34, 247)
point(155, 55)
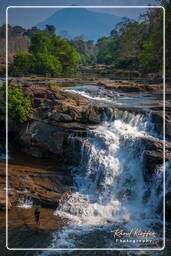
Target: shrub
point(49, 84)
point(19, 105)
point(46, 64)
point(53, 85)
point(65, 108)
point(22, 64)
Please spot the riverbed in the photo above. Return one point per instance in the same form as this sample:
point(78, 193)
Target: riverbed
point(110, 191)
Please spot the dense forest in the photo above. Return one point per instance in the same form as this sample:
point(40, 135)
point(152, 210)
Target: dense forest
point(132, 46)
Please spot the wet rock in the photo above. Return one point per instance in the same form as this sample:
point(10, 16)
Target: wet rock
point(157, 119)
point(41, 181)
point(94, 114)
point(55, 113)
point(168, 128)
point(21, 217)
point(153, 154)
point(61, 117)
point(43, 137)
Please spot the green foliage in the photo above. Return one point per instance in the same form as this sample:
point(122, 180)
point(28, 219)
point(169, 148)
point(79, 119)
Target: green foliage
point(49, 85)
point(65, 108)
point(86, 50)
point(49, 56)
point(53, 85)
point(41, 42)
point(47, 65)
point(135, 45)
point(107, 49)
point(22, 64)
point(31, 31)
point(47, 43)
point(50, 28)
point(19, 105)
point(67, 55)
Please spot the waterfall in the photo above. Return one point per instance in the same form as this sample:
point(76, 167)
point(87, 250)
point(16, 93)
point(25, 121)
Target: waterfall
point(109, 190)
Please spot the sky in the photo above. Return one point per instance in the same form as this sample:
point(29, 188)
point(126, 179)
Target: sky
point(29, 17)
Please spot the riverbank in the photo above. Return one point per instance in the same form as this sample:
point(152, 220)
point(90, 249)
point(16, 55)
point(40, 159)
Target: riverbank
point(130, 86)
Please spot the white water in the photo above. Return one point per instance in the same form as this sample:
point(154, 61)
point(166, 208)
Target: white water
point(25, 202)
point(109, 185)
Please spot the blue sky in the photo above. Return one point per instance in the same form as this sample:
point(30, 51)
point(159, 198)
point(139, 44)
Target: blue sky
point(29, 17)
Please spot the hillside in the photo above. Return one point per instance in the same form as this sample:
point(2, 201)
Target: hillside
point(79, 21)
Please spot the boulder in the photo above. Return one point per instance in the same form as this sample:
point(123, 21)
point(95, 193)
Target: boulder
point(41, 137)
point(157, 119)
point(153, 154)
point(94, 115)
point(55, 113)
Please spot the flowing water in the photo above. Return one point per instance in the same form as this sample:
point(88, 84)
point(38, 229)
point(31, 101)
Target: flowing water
point(109, 191)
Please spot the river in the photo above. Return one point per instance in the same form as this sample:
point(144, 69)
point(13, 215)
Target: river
point(110, 194)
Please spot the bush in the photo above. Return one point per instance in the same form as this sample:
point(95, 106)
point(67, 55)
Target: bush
point(22, 64)
point(46, 64)
point(65, 108)
point(53, 85)
point(19, 105)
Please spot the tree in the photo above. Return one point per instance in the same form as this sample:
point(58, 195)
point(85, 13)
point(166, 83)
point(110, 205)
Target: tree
point(51, 29)
point(106, 50)
point(86, 50)
point(67, 55)
point(41, 42)
point(22, 64)
point(48, 65)
point(31, 31)
point(18, 30)
point(49, 55)
point(114, 34)
point(137, 46)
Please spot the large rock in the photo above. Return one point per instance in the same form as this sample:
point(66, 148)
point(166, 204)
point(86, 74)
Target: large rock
point(158, 121)
point(38, 139)
point(55, 113)
point(24, 218)
point(153, 154)
point(41, 181)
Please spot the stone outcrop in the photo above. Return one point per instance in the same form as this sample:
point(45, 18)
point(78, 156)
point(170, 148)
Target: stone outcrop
point(157, 119)
point(153, 154)
point(55, 113)
point(24, 218)
point(41, 181)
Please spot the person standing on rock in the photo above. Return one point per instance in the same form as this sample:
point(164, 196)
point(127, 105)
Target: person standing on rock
point(37, 216)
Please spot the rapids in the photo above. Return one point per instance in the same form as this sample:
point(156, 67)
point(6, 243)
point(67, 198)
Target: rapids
point(109, 190)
